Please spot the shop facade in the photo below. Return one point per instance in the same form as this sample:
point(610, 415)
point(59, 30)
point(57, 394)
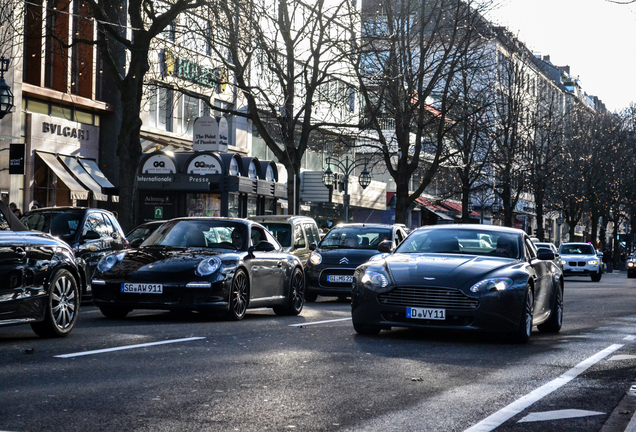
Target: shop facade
point(206, 183)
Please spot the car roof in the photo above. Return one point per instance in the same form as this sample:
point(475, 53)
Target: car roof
point(280, 218)
point(369, 225)
point(474, 227)
point(65, 209)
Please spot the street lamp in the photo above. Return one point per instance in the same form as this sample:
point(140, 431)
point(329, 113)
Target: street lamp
point(6, 97)
point(347, 168)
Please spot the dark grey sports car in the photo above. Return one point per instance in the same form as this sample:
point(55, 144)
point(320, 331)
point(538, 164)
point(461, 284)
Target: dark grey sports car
point(207, 264)
point(41, 282)
point(473, 277)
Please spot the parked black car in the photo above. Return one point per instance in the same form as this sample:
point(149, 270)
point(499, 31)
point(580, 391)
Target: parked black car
point(440, 278)
point(91, 233)
point(137, 236)
point(331, 265)
point(40, 279)
point(207, 264)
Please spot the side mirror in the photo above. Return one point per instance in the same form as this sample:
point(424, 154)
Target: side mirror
point(385, 246)
point(313, 246)
point(545, 254)
point(264, 246)
point(136, 242)
point(91, 235)
point(301, 244)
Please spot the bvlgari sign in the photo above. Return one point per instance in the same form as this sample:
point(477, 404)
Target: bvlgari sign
point(206, 135)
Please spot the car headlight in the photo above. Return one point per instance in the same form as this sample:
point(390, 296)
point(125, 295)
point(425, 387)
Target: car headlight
point(592, 262)
point(208, 266)
point(486, 285)
point(315, 258)
point(109, 261)
point(563, 262)
point(630, 264)
point(374, 279)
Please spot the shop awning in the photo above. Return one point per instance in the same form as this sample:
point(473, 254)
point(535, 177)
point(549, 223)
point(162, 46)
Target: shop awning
point(91, 168)
point(84, 177)
point(434, 208)
point(77, 190)
point(458, 208)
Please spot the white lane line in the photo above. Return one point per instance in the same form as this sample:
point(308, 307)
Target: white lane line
point(127, 347)
point(629, 338)
point(500, 417)
point(319, 322)
point(558, 415)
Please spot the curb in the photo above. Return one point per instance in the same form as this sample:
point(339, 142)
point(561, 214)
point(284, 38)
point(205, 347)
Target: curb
point(623, 418)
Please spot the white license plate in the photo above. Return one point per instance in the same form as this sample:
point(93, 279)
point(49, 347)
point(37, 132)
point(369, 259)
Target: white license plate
point(577, 269)
point(340, 278)
point(426, 313)
point(142, 288)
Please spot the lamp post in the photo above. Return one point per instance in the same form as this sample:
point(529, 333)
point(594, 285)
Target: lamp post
point(347, 168)
point(6, 97)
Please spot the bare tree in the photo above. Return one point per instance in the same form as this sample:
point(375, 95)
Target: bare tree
point(408, 56)
point(287, 58)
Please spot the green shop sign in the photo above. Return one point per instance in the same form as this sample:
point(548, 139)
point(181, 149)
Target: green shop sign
point(190, 71)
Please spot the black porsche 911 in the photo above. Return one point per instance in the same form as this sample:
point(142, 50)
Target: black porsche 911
point(473, 277)
point(41, 283)
point(215, 265)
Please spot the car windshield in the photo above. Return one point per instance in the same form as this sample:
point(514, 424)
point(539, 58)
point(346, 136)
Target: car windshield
point(141, 233)
point(58, 223)
point(358, 237)
point(280, 231)
point(200, 233)
point(577, 249)
point(462, 241)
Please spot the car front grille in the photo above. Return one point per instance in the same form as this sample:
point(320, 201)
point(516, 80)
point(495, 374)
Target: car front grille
point(577, 263)
point(441, 298)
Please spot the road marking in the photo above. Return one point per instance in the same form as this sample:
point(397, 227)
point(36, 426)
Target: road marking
point(622, 357)
point(500, 417)
point(127, 347)
point(319, 322)
point(558, 415)
point(629, 338)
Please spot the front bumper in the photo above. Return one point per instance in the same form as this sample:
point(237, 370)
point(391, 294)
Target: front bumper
point(317, 283)
point(498, 311)
point(175, 296)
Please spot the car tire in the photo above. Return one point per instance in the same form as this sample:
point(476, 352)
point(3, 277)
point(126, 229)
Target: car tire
point(596, 277)
point(114, 312)
point(296, 297)
point(554, 323)
point(630, 275)
point(239, 295)
point(522, 335)
point(367, 330)
point(310, 297)
point(62, 307)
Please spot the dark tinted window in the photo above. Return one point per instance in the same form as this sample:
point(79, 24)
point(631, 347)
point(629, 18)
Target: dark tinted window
point(359, 237)
point(200, 233)
point(280, 231)
point(57, 223)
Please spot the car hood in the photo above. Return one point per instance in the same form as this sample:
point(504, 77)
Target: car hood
point(579, 257)
point(443, 270)
point(164, 264)
point(346, 257)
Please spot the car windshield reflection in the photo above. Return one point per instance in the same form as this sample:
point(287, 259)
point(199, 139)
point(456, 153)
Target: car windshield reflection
point(209, 234)
point(355, 238)
point(472, 242)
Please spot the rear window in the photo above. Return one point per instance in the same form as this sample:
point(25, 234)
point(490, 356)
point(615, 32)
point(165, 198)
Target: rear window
point(58, 224)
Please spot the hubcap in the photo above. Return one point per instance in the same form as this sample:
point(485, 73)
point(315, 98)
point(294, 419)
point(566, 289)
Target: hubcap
point(529, 311)
point(298, 287)
point(63, 302)
point(240, 293)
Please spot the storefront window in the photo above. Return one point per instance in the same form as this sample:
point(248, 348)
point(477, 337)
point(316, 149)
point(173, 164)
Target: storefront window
point(204, 205)
point(270, 206)
point(233, 207)
point(251, 206)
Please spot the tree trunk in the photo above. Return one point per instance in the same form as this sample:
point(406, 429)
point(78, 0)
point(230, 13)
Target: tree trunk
point(401, 204)
point(293, 188)
point(538, 198)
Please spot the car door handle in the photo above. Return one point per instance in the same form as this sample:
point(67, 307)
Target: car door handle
point(20, 253)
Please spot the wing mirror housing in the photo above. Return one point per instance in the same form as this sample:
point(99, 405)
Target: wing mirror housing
point(313, 246)
point(545, 254)
point(385, 246)
point(264, 246)
point(91, 235)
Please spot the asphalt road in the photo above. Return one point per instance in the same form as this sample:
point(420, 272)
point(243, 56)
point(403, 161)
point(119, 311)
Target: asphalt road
point(313, 373)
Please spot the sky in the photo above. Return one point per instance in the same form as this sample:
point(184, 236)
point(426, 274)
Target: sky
point(596, 38)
